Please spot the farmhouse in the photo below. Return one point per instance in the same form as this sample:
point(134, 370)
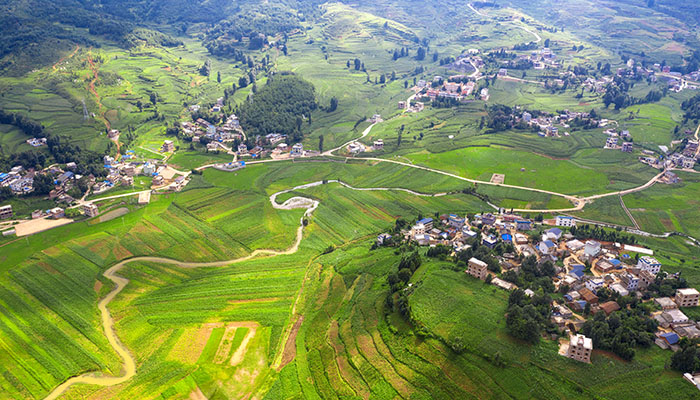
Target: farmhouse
point(687, 297)
point(650, 264)
point(6, 212)
point(665, 303)
point(591, 249)
point(90, 210)
point(563, 220)
point(609, 307)
point(580, 348)
point(168, 146)
point(477, 268)
point(56, 213)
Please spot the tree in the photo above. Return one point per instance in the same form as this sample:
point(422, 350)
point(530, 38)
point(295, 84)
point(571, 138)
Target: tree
point(358, 64)
point(382, 79)
point(420, 54)
point(320, 143)
point(546, 43)
point(334, 104)
point(139, 105)
point(218, 76)
point(686, 359)
point(154, 98)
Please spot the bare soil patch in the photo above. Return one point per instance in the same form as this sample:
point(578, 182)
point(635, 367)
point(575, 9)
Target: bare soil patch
point(38, 225)
point(113, 214)
point(290, 348)
point(97, 286)
point(238, 356)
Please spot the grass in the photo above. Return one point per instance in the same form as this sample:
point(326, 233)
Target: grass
point(668, 208)
point(349, 345)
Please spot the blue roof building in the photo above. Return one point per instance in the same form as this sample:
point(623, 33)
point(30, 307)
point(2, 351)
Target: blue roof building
point(670, 338)
point(577, 270)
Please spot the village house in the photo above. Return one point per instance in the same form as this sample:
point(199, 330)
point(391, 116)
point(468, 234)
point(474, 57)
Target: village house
point(604, 266)
point(90, 210)
point(595, 284)
point(629, 281)
point(168, 146)
point(574, 245)
point(650, 264)
point(297, 150)
point(687, 297)
point(57, 213)
point(554, 234)
point(566, 221)
point(609, 307)
point(242, 149)
point(378, 144)
point(646, 278)
point(591, 249)
point(477, 268)
point(547, 247)
point(627, 147)
point(588, 296)
point(6, 212)
point(666, 303)
point(580, 348)
point(523, 225)
point(427, 222)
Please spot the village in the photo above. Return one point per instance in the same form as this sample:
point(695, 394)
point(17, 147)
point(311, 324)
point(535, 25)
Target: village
point(70, 190)
point(590, 276)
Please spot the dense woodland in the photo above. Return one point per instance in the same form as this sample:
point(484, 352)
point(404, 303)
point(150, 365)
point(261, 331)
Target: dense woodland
point(281, 106)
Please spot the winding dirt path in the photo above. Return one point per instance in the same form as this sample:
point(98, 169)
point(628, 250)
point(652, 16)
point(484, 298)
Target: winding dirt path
point(128, 361)
point(64, 58)
point(91, 88)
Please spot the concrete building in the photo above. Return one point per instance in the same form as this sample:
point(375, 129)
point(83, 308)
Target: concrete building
point(580, 348)
point(90, 210)
point(650, 264)
point(629, 281)
point(6, 212)
point(665, 303)
point(57, 213)
point(687, 297)
point(477, 268)
point(563, 220)
point(592, 248)
point(297, 150)
point(168, 146)
point(427, 222)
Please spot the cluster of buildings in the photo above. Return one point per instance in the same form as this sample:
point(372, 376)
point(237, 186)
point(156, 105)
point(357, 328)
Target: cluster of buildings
point(555, 125)
point(36, 142)
point(543, 58)
point(415, 107)
point(231, 130)
point(19, 180)
point(611, 267)
point(619, 140)
point(459, 90)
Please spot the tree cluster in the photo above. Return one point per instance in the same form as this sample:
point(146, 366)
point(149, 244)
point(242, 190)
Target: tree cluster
point(623, 330)
point(278, 106)
point(527, 317)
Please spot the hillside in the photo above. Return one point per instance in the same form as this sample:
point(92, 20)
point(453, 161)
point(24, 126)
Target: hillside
point(304, 199)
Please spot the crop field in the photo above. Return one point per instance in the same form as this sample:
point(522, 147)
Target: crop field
point(667, 208)
point(351, 347)
point(520, 168)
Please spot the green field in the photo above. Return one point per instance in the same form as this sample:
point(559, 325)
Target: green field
point(315, 323)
